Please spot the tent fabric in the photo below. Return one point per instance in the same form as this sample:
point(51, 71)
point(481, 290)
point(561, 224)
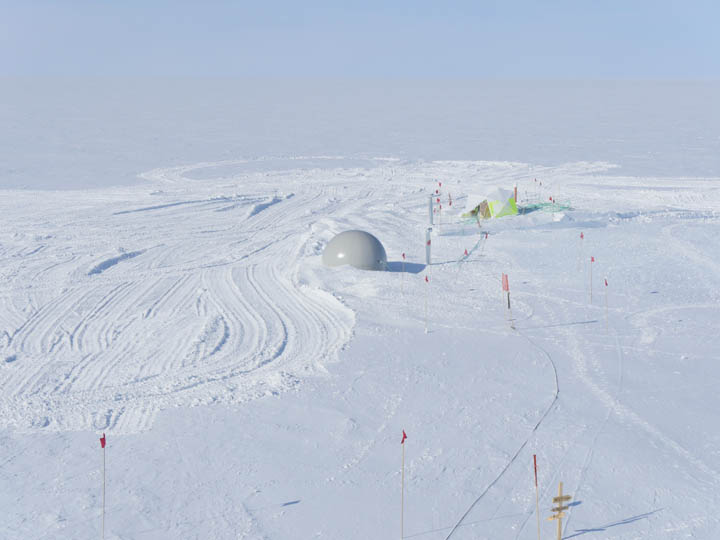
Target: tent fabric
point(495, 203)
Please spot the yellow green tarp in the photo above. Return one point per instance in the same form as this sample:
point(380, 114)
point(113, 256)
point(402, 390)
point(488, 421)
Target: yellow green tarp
point(496, 203)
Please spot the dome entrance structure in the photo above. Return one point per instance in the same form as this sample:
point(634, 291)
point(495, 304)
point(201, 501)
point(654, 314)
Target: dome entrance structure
point(356, 248)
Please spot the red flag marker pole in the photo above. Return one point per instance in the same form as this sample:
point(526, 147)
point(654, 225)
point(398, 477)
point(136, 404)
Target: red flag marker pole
point(102, 444)
point(402, 488)
point(537, 497)
point(592, 260)
point(461, 260)
point(580, 255)
point(402, 276)
point(439, 223)
point(427, 281)
point(506, 288)
point(606, 305)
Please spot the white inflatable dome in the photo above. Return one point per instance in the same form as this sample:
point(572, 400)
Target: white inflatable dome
point(356, 248)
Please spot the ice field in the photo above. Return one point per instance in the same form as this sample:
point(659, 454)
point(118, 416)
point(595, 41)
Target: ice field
point(249, 392)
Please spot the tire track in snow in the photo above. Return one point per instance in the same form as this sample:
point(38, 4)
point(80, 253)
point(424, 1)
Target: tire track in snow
point(525, 443)
point(120, 335)
point(614, 406)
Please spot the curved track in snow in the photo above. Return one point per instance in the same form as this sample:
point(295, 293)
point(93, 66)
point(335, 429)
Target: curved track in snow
point(143, 305)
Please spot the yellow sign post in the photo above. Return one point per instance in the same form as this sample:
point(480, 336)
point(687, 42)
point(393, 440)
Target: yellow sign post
point(559, 509)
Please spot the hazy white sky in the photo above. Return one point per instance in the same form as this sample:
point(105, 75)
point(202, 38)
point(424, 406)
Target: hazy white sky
point(612, 39)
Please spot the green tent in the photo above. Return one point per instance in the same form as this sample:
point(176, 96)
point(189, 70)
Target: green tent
point(496, 203)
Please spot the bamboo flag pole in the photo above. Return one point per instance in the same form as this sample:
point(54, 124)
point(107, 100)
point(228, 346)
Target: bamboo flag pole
point(482, 248)
point(592, 260)
point(439, 205)
point(402, 275)
point(606, 305)
point(402, 488)
point(462, 259)
point(537, 497)
point(102, 444)
point(580, 255)
point(439, 220)
point(427, 281)
point(506, 288)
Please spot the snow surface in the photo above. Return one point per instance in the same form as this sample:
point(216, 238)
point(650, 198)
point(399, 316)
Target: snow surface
point(131, 310)
point(95, 132)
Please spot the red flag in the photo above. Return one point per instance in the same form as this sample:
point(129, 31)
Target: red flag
point(437, 191)
point(403, 256)
point(438, 199)
point(427, 280)
point(440, 184)
point(428, 242)
point(582, 236)
point(404, 436)
point(486, 235)
point(535, 463)
point(466, 253)
point(506, 285)
point(606, 282)
point(102, 441)
point(592, 259)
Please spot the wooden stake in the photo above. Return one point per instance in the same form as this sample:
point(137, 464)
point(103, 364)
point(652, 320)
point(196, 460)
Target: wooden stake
point(559, 520)
point(559, 510)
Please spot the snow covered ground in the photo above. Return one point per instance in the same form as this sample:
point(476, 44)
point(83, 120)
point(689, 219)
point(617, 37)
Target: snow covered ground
point(249, 392)
point(93, 132)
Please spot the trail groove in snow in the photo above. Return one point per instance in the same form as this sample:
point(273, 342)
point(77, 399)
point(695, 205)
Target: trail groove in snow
point(232, 304)
point(214, 313)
